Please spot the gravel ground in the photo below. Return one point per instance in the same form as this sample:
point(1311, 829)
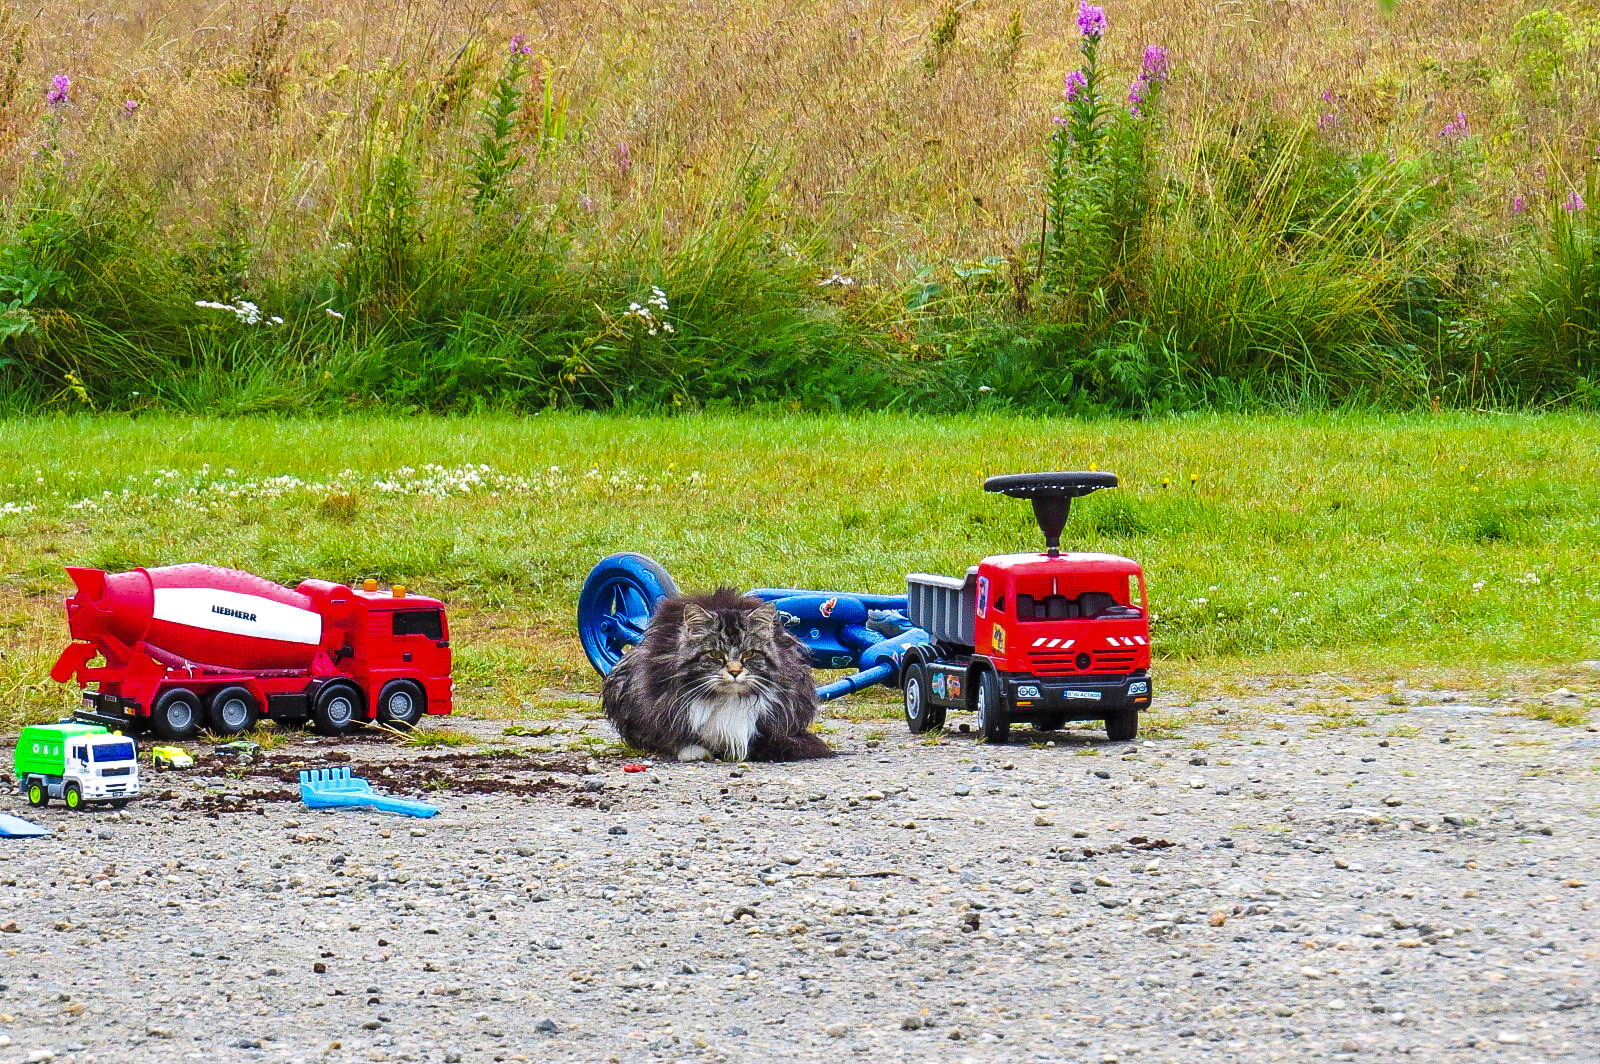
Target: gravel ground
point(1414, 874)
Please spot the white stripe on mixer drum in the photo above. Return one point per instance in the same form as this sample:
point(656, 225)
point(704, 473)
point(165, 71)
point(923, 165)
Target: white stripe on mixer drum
point(237, 614)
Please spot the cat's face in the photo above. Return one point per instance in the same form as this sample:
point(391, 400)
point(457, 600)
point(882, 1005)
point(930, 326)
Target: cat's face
point(731, 651)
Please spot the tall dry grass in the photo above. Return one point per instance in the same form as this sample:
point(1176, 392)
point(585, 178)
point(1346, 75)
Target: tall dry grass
point(276, 107)
point(889, 139)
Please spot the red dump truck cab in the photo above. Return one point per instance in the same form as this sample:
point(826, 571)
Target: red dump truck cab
point(186, 647)
point(1069, 616)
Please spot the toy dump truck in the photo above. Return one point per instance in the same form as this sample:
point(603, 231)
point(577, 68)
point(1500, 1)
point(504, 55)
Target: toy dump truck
point(1039, 638)
point(76, 764)
point(192, 646)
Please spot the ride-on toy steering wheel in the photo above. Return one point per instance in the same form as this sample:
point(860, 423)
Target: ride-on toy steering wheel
point(1052, 495)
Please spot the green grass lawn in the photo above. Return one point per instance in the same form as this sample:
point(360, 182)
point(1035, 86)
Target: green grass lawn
point(1457, 548)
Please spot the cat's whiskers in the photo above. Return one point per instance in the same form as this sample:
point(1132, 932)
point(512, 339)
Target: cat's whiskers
point(692, 693)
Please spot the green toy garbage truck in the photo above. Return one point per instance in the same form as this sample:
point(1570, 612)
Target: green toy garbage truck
point(76, 763)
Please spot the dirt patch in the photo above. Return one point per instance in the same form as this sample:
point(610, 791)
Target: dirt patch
point(244, 802)
point(501, 772)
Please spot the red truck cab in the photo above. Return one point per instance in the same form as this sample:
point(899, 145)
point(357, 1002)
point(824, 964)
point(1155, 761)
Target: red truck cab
point(406, 637)
point(1032, 611)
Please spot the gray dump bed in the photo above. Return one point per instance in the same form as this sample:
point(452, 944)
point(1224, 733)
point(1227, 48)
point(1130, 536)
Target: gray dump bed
point(944, 606)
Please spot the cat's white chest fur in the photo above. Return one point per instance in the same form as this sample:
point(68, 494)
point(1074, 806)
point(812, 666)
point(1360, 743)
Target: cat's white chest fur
point(725, 725)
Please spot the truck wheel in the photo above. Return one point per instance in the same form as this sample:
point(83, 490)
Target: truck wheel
point(1122, 726)
point(338, 709)
point(993, 724)
point(233, 710)
point(401, 704)
point(72, 796)
point(914, 689)
point(37, 795)
point(177, 715)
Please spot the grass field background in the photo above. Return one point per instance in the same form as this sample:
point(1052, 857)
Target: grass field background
point(1452, 548)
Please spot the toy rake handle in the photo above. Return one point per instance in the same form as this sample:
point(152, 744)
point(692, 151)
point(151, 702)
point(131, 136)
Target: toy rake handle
point(400, 805)
point(1052, 495)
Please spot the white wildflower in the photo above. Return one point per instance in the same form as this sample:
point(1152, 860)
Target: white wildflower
point(836, 279)
point(334, 314)
point(247, 312)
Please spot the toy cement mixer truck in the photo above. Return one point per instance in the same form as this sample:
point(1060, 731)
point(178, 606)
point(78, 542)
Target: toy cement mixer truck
point(187, 647)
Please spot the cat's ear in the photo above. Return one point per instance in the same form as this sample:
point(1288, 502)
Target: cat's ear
point(765, 616)
point(697, 621)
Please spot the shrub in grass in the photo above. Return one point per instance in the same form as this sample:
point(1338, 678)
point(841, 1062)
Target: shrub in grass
point(1099, 178)
point(1552, 315)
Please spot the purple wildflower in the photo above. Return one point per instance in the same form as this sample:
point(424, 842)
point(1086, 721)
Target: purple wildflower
point(1573, 202)
point(518, 47)
point(1155, 64)
point(1136, 95)
point(1327, 95)
point(58, 91)
point(1456, 127)
point(130, 107)
point(1328, 121)
point(1091, 20)
point(624, 158)
point(1076, 84)
point(587, 203)
point(1518, 205)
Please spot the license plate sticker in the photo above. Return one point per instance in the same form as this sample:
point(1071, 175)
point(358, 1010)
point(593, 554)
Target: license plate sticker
point(1087, 696)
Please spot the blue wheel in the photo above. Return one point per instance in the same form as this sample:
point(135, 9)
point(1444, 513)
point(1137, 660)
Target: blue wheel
point(617, 601)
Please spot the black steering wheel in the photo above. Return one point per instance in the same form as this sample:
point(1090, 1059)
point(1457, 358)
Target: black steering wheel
point(1052, 495)
point(1046, 485)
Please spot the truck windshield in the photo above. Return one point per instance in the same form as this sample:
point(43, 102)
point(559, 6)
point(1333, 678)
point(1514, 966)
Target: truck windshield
point(112, 752)
point(1044, 603)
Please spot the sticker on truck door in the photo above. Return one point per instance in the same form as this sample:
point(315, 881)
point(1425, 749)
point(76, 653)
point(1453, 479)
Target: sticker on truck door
point(983, 596)
point(999, 640)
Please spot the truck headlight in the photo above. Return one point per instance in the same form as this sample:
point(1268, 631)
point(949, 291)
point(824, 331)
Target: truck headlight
point(1139, 687)
point(1027, 690)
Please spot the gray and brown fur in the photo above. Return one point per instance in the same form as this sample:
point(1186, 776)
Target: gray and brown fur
point(716, 676)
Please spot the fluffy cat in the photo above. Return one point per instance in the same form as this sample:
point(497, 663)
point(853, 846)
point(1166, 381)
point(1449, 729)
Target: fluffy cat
point(716, 676)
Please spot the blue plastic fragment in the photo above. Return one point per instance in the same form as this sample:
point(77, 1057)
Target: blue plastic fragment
point(14, 827)
point(335, 788)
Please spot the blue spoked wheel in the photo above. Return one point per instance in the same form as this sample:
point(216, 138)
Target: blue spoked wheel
point(618, 598)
